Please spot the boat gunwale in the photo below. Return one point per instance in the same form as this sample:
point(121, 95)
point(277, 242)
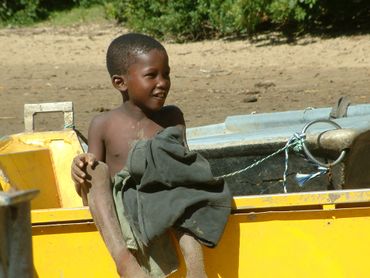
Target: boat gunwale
point(263, 203)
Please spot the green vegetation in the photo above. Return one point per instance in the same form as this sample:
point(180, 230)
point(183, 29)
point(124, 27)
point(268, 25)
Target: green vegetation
point(66, 12)
point(77, 15)
point(184, 20)
point(198, 19)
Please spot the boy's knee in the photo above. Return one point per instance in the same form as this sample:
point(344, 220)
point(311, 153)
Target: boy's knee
point(97, 173)
point(193, 256)
point(189, 245)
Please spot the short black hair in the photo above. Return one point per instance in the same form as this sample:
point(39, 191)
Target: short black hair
point(123, 50)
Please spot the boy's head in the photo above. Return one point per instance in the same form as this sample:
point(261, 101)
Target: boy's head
point(123, 51)
point(139, 69)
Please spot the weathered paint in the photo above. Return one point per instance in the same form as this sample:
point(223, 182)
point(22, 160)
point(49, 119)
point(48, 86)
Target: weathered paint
point(302, 199)
point(290, 243)
point(53, 151)
point(313, 234)
point(15, 234)
point(277, 127)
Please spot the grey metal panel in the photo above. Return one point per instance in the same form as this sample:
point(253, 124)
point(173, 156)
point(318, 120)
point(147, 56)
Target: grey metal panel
point(271, 127)
point(15, 234)
point(242, 140)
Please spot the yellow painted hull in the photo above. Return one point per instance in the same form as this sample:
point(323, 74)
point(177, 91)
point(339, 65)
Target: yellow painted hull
point(41, 160)
point(316, 234)
point(313, 240)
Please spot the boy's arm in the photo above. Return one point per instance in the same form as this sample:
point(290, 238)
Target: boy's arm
point(96, 139)
point(94, 154)
point(101, 204)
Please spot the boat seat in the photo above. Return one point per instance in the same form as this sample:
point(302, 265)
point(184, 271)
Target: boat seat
point(41, 160)
point(357, 163)
point(333, 141)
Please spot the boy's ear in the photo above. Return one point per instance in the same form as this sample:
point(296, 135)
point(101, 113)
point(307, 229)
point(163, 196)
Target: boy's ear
point(120, 82)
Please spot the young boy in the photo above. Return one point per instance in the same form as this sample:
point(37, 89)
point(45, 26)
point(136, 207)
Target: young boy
point(139, 70)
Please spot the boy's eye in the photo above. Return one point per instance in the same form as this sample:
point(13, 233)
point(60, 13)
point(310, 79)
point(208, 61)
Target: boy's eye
point(150, 74)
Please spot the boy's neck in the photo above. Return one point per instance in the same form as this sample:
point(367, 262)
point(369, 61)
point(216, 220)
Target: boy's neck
point(136, 112)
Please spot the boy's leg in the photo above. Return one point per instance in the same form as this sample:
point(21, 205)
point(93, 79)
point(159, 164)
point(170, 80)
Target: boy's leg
point(193, 255)
point(100, 200)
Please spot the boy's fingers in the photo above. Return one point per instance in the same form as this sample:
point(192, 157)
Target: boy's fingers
point(77, 179)
point(79, 161)
point(78, 171)
point(83, 158)
point(90, 159)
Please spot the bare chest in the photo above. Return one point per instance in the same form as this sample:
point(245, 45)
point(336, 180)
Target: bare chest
point(120, 139)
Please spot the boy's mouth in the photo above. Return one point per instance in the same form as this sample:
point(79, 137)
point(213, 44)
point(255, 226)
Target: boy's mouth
point(160, 95)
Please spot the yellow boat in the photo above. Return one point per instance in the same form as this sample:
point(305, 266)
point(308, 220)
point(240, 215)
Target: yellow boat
point(301, 234)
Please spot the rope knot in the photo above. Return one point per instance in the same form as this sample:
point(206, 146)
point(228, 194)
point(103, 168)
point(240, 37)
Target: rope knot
point(297, 141)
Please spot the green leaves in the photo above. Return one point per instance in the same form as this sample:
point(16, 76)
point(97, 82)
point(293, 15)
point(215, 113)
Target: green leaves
point(26, 12)
point(188, 20)
point(183, 20)
point(19, 11)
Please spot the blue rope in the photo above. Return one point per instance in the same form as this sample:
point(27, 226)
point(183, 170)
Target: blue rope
point(295, 142)
point(69, 126)
point(303, 178)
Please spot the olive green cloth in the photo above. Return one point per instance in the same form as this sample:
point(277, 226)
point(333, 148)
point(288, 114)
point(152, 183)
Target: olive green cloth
point(159, 258)
point(174, 187)
point(166, 185)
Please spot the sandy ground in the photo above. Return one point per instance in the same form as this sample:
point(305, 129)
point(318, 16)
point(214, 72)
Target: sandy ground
point(210, 80)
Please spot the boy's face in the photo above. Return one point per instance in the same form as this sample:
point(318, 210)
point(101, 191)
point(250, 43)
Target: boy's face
point(148, 80)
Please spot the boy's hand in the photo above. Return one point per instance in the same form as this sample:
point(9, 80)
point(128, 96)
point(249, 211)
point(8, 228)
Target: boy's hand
point(78, 167)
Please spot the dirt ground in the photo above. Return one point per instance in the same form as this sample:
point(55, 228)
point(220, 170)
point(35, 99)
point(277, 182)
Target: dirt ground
point(210, 80)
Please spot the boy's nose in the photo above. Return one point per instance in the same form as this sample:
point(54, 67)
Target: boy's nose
point(163, 82)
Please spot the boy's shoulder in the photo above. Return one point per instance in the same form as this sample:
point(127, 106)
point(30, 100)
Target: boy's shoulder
point(172, 115)
point(169, 115)
point(106, 116)
point(171, 110)
point(106, 119)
